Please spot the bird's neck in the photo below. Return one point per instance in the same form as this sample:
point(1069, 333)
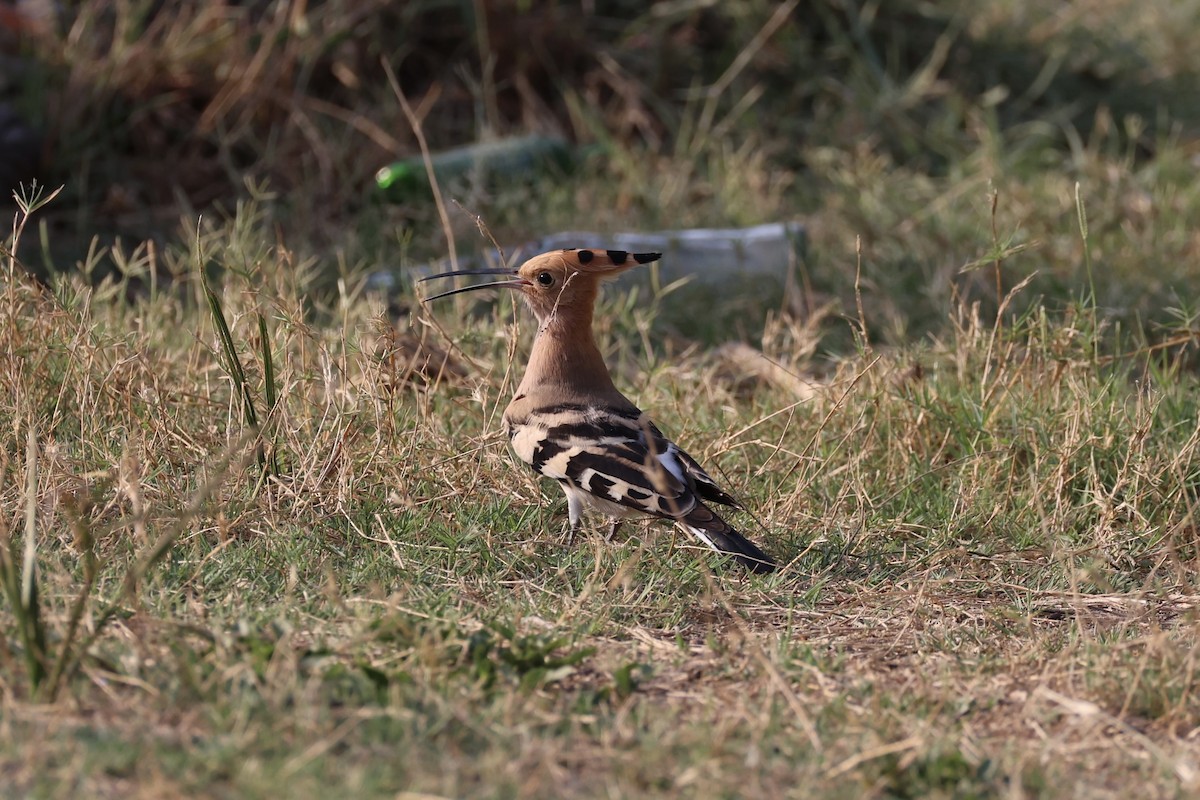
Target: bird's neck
point(566, 363)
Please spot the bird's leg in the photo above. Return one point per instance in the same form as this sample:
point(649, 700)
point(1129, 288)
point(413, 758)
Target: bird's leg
point(614, 524)
point(574, 514)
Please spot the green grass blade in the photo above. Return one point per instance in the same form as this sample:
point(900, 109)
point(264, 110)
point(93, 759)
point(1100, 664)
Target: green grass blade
point(233, 363)
point(10, 578)
point(269, 390)
point(28, 609)
point(85, 538)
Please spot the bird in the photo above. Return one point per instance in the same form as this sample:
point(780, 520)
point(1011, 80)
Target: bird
point(569, 422)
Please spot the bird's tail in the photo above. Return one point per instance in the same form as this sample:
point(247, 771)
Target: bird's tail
point(718, 534)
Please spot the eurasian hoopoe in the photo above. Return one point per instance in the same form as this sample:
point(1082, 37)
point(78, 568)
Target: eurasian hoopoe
point(568, 421)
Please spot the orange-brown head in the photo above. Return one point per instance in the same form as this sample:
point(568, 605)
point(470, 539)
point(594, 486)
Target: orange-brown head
point(561, 281)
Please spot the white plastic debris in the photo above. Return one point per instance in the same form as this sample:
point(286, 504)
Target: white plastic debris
point(703, 253)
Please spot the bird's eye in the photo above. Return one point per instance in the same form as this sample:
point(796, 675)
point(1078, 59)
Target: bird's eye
point(545, 279)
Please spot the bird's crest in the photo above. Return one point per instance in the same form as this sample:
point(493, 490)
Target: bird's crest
point(601, 261)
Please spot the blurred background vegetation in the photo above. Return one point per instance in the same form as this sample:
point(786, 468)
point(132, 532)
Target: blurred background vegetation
point(895, 124)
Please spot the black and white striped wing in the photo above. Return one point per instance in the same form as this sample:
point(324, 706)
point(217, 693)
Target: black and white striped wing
point(613, 455)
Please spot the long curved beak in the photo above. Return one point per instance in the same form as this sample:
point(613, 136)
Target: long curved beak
point(513, 284)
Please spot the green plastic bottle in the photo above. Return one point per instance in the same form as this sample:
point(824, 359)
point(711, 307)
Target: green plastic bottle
point(513, 158)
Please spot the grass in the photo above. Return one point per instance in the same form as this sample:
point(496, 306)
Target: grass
point(259, 527)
